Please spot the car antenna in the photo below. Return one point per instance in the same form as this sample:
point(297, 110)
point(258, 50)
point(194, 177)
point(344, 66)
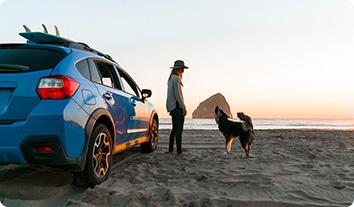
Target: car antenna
point(45, 29)
point(57, 33)
point(26, 28)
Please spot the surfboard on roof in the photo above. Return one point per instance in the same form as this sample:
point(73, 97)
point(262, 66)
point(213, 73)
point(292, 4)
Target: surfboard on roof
point(44, 37)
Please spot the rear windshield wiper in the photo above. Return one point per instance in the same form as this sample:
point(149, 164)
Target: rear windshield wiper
point(13, 68)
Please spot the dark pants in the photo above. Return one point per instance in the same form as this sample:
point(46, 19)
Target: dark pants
point(177, 129)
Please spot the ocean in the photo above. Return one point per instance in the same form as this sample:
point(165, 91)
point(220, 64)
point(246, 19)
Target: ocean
point(322, 124)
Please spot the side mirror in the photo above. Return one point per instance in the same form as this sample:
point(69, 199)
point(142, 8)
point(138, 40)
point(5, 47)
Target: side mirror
point(146, 93)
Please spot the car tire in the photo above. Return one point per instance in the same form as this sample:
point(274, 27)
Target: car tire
point(152, 143)
point(98, 159)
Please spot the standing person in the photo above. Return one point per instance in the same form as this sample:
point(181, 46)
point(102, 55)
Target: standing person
point(175, 105)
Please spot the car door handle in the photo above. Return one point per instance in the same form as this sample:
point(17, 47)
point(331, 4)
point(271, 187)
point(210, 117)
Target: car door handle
point(107, 96)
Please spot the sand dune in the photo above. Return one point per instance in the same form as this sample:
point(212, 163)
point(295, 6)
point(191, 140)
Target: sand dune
point(291, 168)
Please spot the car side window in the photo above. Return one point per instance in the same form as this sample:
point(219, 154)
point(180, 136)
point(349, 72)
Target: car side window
point(83, 68)
point(95, 76)
point(108, 75)
point(128, 83)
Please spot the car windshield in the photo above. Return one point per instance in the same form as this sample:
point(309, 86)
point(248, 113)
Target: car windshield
point(28, 59)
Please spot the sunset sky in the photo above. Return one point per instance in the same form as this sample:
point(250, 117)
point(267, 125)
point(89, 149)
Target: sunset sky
point(270, 58)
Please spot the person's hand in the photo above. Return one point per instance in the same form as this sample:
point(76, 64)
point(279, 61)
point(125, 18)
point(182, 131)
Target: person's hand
point(184, 112)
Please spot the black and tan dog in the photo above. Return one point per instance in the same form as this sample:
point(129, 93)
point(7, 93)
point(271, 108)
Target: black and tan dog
point(236, 130)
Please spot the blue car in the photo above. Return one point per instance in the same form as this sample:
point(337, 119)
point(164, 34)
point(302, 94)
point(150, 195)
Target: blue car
point(65, 104)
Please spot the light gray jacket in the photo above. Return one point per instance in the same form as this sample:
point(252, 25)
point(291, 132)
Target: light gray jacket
point(174, 93)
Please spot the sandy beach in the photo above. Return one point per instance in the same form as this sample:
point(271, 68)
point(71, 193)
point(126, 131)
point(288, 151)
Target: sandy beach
point(291, 168)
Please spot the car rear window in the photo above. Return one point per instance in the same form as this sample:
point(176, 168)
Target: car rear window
point(28, 59)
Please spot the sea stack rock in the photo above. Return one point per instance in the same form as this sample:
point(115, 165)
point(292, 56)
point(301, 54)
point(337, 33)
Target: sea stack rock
point(206, 109)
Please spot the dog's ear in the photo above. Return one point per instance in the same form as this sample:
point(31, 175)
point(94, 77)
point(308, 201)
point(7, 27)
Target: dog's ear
point(244, 117)
point(217, 109)
point(241, 115)
point(247, 118)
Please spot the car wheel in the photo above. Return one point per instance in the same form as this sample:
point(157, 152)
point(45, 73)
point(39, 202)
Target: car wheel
point(151, 145)
point(98, 159)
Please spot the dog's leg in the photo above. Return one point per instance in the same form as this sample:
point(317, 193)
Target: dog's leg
point(229, 146)
point(248, 150)
point(244, 147)
point(226, 146)
point(250, 145)
point(228, 150)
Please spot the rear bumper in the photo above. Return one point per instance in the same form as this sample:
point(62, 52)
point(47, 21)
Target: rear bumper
point(59, 123)
point(55, 158)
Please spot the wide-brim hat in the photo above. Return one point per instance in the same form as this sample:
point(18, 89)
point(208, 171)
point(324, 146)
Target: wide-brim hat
point(179, 64)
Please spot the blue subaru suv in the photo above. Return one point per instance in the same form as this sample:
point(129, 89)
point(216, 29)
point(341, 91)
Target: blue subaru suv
point(65, 104)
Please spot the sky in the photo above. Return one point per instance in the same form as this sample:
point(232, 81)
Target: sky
point(269, 58)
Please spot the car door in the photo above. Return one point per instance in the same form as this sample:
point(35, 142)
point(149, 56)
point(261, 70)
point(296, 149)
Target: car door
point(139, 123)
point(106, 79)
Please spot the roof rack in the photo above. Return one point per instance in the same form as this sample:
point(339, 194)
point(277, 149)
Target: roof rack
point(46, 38)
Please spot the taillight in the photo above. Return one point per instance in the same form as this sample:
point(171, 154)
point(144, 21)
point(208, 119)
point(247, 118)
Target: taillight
point(57, 87)
point(43, 149)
